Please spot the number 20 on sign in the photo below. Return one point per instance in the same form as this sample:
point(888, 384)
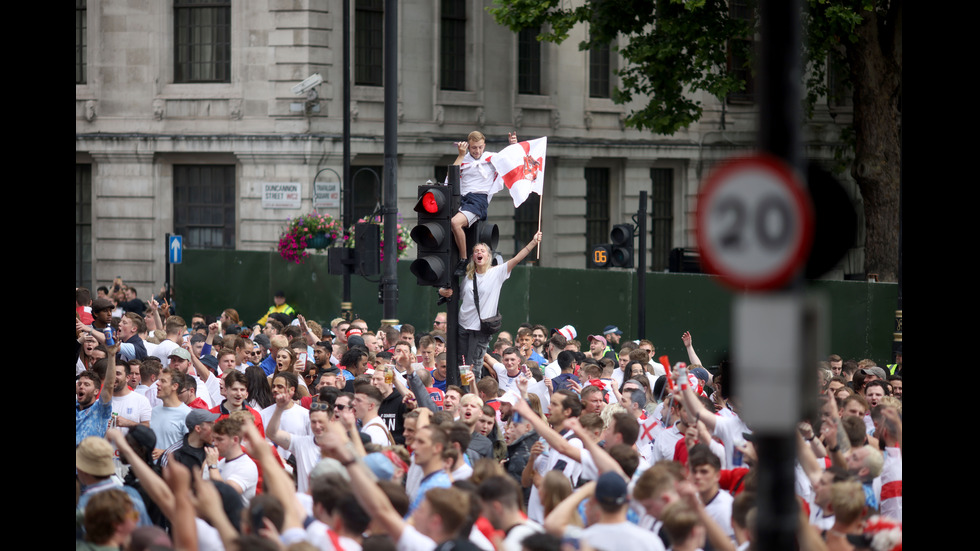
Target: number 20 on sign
point(754, 223)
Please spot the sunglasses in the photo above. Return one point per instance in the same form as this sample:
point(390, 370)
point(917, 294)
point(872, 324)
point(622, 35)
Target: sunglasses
point(340, 407)
point(321, 406)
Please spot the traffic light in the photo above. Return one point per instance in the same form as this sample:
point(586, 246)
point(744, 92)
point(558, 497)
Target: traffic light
point(619, 253)
point(434, 236)
point(367, 249)
point(481, 232)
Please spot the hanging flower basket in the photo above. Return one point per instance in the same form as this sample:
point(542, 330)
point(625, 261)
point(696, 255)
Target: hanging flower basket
point(310, 231)
point(403, 234)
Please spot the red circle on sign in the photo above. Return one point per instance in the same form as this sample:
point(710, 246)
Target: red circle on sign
point(730, 183)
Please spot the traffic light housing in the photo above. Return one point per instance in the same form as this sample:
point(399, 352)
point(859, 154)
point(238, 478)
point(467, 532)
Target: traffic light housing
point(367, 249)
point(621, 253)
point(482, 232)
point(434, 236)
point(618, 253)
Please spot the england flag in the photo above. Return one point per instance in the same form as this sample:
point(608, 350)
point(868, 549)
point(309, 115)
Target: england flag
point(520, 168)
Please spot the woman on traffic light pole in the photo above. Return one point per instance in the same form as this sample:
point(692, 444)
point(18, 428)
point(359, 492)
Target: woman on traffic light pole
point(478, 317)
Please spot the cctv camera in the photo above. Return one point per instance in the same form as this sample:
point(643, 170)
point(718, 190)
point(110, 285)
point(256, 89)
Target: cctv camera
point(311, 82)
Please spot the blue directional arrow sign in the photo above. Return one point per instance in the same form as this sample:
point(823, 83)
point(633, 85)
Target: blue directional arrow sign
point(175, 249)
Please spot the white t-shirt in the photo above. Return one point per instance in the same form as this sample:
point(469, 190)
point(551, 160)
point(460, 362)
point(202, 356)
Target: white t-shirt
point(168, 424)
point(132, 406)
point(413, 540)
point(623, 536)
point(720, 509)
point(504, 381)
point(730, 430)
point(307, 456)
point(663, 446)
point(163, 351)
point(295, 421)
point(489, 285)
point(243, 472)
point(478, 175)
point(376, 430)
point(570, 468)
point(517, 534)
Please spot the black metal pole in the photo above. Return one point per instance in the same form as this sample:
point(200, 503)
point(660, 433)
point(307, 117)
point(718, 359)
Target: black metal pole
point(779, 134)
point(641, 270)
point(452, 310)
point(389, 270)
point(348, 187)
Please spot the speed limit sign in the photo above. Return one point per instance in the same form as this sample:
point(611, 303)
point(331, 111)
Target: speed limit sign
point(754, 223)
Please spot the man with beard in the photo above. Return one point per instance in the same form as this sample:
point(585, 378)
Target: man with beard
point(128, 408)
point(91, 415)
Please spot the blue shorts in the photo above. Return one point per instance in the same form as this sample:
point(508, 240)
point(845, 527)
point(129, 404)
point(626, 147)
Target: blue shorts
point(474, 205)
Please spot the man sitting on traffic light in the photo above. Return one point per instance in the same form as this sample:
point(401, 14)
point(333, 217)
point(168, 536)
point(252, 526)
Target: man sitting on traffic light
point(477, 183)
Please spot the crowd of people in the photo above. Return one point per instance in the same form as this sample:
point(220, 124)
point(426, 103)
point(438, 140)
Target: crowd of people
point(209, 433)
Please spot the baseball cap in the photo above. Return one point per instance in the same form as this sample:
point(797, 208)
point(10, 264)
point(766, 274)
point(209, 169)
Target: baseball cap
point(610, 489)
point(611, 329)
point(180, 353)
point(599, 338)
point(198, 416)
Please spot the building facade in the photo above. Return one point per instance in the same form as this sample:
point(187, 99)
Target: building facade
point(184, 113)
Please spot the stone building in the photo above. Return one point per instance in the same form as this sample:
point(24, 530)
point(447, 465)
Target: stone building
point(184, 114)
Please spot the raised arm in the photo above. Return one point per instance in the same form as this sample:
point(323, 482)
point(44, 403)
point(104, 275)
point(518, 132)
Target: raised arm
point(462, 147)
point(154, 307)
point(277, 482)
point(280, 437)
point(557, 520)
point(603, 461)
point(422, 397)
point(334, 443)
point(691, 354)
point(154, 485)
point(535, 241)
point(555, 440)
point(691, 402)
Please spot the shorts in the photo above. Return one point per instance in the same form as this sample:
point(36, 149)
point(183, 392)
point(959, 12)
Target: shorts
point(474, 207)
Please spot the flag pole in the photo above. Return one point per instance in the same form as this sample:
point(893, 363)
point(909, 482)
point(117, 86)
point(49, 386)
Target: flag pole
point(540, 203)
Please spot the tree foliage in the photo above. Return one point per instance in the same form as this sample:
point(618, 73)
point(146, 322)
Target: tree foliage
point(675, 48)
point(671, 49)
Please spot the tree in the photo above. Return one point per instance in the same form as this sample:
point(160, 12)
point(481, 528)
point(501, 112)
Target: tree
point(674, 48)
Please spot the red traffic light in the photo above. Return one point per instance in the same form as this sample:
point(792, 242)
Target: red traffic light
point(432, 202)
point(429, 203)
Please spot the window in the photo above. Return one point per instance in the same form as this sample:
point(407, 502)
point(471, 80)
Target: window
point(599, 71)
point(202, 40)
point(596, 208)
point(83, 226)
point(453, 45)
point(662, 193)
point(529, 61)
point(367, 190)
point(204, 205)
point(369, 19)
point(738, 53)
point(526, 223)
point(81, 42)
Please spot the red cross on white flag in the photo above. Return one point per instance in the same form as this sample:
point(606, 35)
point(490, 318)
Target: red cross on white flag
point(520, 167)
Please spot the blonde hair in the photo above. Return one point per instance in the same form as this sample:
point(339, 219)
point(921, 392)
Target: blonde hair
point(847, 501)
point(471, 266)
point(476, 136)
